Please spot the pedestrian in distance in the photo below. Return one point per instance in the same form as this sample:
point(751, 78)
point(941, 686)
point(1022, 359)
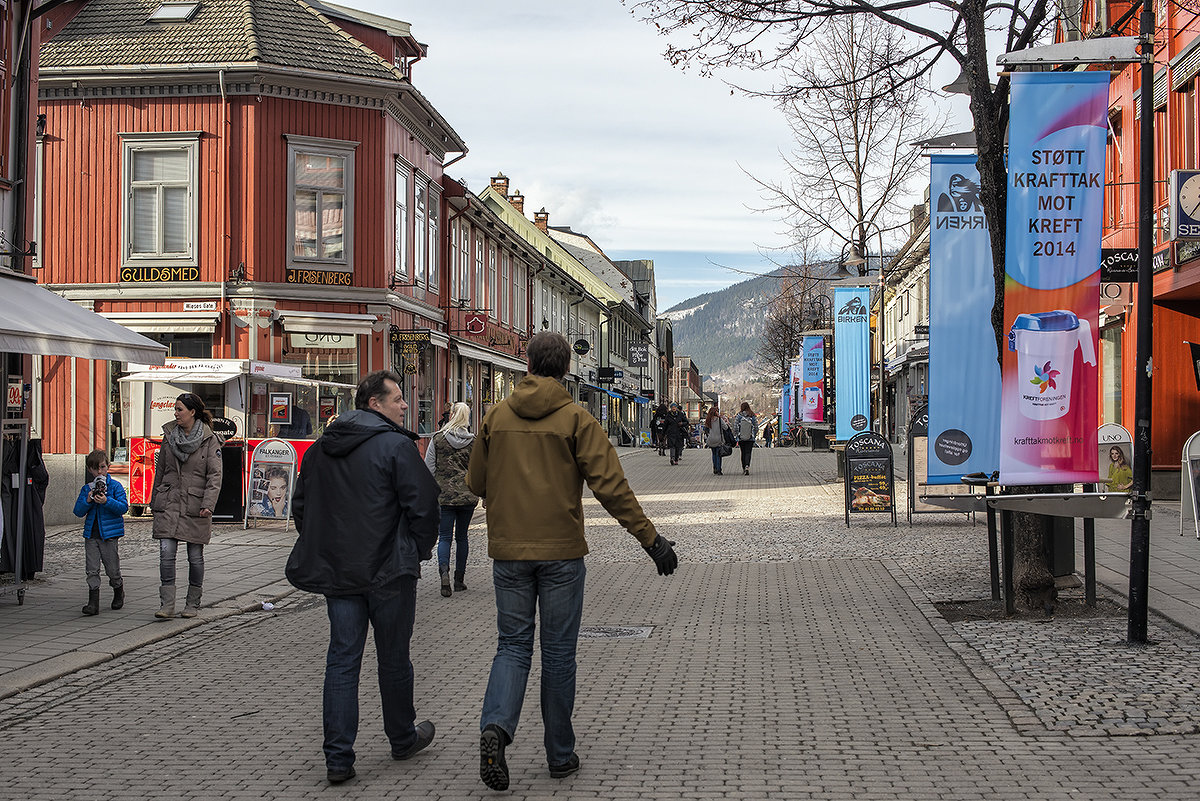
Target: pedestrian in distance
point(447, 457)
point(676, 431)
point(366, 512)
point(658, 428)
point(768, 434)
point(745, 428)
point(102, 505)
point(187, 481)
point(534, 452)
point(716, 434)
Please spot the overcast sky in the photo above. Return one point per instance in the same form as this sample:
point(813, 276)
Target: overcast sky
point(573, 101)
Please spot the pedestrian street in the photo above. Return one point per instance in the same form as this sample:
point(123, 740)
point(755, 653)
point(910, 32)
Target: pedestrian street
point(789, 657)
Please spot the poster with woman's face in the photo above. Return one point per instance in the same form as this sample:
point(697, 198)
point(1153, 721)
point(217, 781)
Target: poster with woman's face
point(269, 494)
point(1116, 466)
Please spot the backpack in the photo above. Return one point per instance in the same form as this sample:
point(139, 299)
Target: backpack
point(745, 429)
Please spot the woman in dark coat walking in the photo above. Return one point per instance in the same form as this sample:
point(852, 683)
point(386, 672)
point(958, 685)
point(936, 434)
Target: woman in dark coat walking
point(187, 482)
point(658, 428)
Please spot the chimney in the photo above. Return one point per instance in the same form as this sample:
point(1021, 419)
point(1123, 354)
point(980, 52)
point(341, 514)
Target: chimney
point(500, 184)
point(518, 202)
point(542, 220)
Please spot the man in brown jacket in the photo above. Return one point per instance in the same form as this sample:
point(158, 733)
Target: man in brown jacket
point(532, 455)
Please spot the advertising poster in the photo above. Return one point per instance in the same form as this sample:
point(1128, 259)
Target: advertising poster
point(1052, 288)
point(852, 360)
point(280, 412)
point(272, 475)
point(964, 376)
point(812, 404)
point(1116, 458)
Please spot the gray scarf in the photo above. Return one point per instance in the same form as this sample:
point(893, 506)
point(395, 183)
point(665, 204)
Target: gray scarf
point(184, 445)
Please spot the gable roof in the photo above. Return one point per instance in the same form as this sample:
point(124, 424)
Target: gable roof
point(285, 33)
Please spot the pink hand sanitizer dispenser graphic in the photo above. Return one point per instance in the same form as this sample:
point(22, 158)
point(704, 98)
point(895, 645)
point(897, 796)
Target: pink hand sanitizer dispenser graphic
point(1045, 344)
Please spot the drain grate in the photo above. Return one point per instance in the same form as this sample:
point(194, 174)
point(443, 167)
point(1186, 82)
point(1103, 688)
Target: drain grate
point(615, 632)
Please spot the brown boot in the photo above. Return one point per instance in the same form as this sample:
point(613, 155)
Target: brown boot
point(166, 597)
point(191, 607)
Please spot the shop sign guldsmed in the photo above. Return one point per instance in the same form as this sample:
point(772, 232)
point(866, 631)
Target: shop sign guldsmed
point(812, 403)
point(1052, 290)
point(852, 360)
point(964, 377)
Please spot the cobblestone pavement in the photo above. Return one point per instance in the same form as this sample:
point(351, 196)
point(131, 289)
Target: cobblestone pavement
point(790, 657)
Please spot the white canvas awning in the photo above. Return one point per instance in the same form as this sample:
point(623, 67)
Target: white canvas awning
point(490, 356)
point(182, 377)
point(35, 320)
point(202, 322)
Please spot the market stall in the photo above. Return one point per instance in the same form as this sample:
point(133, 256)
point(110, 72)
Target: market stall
point(250, 401)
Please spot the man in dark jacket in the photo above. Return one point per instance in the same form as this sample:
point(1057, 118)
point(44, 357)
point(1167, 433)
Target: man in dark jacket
point(533, 454)
point(677, 432)
point(367, 514)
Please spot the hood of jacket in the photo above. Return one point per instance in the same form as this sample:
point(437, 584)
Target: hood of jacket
point(354, 428)
point(538, 396)
point(458, 438)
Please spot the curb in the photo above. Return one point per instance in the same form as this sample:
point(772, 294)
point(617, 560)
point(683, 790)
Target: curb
point(56, 667)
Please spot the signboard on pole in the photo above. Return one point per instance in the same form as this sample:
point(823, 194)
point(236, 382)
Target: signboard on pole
point(272, 479)
point(870, 480)
point(1116, 458)
point(812, 403)
point(639, 354)
point(852, 360)
point(964, 376)
point(1050, 391)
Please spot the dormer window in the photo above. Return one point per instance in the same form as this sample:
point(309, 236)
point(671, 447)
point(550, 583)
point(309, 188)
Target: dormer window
point(174, 12)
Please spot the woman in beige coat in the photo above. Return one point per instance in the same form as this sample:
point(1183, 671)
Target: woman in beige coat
point(186, 484)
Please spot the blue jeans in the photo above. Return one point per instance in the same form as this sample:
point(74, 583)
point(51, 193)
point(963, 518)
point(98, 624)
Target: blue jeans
point(716, 452)
point(555, 591)
point(455, 520)
point(167, 551)
point(392, 618)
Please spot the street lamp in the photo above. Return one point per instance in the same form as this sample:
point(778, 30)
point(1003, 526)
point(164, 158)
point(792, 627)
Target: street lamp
point(1112, 51)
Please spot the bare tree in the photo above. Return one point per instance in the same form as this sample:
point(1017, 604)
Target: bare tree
point(853, 160)
point(767, 33)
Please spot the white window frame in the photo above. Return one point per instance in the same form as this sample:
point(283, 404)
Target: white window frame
point(336, 148)
point(433, 217)
point(420, 217)
point(403, 173)
point(505, 286)
point(493, 256)
point(134, 143)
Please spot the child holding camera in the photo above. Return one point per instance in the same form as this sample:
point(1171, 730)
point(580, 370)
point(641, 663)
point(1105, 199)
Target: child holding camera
point(102, 504)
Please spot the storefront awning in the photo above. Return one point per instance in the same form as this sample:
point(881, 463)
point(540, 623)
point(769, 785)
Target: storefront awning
point(182, 377)
point(204, 322)
point(35, 320)
point(307, 322)
point(490, 356)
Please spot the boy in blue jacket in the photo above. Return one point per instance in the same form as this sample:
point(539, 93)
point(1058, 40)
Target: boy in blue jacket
point(102, 504)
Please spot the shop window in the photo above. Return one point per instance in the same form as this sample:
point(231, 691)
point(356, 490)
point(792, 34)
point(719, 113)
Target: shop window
point(185, 346)
point(403, 176)
point(321, 202)
point(1110, 373)
point(420, 378)
point(324, 357)
point(159, 184)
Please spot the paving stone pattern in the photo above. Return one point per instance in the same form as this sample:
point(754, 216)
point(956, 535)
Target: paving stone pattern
point(790, 657)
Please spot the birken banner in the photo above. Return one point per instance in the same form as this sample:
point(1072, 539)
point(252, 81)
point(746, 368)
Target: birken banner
point(1057, 135)
point(964, 375)
point(812, 404)
point(852, 360)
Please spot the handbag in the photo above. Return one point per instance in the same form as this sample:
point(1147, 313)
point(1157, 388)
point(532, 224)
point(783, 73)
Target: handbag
point(726, 450)
point(727, 434)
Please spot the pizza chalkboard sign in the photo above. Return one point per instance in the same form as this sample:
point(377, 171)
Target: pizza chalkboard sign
point(870, 480)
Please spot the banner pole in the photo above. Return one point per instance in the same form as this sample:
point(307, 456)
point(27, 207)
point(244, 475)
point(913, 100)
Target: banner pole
point(1139, 540)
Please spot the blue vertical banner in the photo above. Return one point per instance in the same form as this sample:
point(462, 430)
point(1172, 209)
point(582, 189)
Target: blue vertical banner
point(852, 360)
point(1050, 391)
point(964, 375)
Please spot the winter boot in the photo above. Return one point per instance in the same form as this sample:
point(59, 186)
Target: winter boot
point(93, 604)
point(166, 596)
point(446, 591)
point(458, 580)
point(191, 607)
point(118, 597)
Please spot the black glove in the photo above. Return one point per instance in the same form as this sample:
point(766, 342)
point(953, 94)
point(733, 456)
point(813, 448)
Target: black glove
point(663, 555)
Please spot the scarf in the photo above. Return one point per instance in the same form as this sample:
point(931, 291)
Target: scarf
point(184, 445)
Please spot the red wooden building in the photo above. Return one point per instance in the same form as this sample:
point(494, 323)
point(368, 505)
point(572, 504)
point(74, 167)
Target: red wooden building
point(240, 179)
point(1176, 311)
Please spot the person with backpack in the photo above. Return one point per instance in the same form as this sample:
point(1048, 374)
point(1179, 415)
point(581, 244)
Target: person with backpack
point(745, 426)
point(447, 457)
